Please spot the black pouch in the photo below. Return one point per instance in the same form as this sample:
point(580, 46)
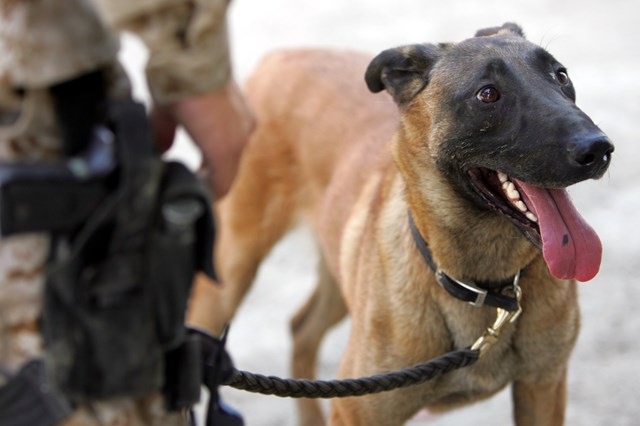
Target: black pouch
point(116, 290)
point(99, 329)
point(177, 249)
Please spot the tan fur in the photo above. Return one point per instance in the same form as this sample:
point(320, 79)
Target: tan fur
point(324, 150)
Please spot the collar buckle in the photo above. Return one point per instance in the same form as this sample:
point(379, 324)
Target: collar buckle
point(470, 292)
point(478, 295)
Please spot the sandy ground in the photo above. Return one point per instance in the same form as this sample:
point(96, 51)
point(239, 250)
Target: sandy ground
point(598, 42)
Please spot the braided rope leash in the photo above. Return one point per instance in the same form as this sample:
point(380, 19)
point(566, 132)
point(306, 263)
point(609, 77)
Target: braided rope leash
point(301, 388)
point(419, 373)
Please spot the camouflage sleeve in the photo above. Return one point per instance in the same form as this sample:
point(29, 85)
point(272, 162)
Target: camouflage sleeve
point(34, 51)
point(187, 42)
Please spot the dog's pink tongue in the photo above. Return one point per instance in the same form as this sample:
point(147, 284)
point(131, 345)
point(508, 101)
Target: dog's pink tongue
point(570, 246)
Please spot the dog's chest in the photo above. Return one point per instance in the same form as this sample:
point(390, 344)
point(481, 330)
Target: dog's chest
point(526, 349)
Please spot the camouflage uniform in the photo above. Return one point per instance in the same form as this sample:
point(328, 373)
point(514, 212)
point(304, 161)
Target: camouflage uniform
point(43, 42)
point(187, 42)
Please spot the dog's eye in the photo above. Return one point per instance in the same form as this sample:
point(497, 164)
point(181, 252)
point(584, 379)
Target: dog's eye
point(562, 77)
point(488, 94)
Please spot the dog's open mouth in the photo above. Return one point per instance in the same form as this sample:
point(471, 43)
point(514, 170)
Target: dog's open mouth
point(570, 247)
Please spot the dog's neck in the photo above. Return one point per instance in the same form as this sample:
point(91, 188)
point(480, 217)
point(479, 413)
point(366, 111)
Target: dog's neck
point(466, 241)
point(443, 278)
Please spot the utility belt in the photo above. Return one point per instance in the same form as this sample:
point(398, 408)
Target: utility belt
point(129, 232)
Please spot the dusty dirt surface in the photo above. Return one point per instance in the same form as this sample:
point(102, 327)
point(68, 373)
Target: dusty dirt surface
point(598, 42)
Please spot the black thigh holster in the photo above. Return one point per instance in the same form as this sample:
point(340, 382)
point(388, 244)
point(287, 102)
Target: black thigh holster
point(117, 289)
point(129, 233)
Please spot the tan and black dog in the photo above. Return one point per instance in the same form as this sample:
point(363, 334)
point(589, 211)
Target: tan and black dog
point(485, 135)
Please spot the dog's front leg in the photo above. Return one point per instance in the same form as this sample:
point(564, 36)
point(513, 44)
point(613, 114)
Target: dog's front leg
point(540, 403)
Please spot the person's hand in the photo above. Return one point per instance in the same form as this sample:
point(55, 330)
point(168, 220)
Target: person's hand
point(219, 122)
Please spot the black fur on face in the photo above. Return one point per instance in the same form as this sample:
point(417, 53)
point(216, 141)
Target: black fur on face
point(504, 104)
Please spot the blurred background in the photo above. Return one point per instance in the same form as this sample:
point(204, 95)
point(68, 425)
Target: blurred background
point(598, 42)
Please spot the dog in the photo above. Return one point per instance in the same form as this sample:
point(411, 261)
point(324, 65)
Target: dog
point(472, 145)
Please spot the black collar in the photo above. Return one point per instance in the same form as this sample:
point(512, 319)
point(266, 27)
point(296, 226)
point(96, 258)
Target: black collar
point(476, 293)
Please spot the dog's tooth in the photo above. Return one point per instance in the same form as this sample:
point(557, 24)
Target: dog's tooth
point(520, 205)
point(511, 191)
point(503, 177)
point(532, 217)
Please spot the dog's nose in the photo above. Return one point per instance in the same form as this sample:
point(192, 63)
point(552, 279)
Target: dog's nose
point(591, 152)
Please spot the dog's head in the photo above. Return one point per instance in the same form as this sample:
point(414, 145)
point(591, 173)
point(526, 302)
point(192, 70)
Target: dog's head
point(497, 115)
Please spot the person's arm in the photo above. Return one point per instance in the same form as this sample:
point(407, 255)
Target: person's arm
point(220, 122)
point(190, 79)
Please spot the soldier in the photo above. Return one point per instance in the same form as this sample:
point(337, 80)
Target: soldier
point(46, 42)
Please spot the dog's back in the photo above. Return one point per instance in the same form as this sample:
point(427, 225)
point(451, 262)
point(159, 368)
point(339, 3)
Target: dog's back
point(320, 132)
point(317, 102)
point(331, 133)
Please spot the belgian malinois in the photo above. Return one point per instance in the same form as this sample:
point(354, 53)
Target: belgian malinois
point(486, 136)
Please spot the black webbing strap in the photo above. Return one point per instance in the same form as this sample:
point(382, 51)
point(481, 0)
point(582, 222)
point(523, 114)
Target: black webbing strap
point(200, 360)
point(217, 369)
point(474, 293)
point(28, 399)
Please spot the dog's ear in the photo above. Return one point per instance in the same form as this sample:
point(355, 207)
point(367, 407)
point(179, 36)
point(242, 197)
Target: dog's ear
point(403, 71)
point(506, 28)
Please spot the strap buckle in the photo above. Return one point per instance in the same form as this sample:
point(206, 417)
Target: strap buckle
point(479, 293)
